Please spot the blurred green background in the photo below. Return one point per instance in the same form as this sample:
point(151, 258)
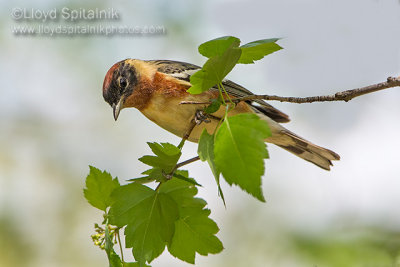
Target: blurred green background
point(54, 123)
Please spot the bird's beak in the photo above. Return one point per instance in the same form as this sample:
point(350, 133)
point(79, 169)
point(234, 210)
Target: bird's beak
point(117, 108)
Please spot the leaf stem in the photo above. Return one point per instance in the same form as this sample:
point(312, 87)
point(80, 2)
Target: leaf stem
point(120, 245)
point(229, 98)
point(220, 93)
point(158, 186)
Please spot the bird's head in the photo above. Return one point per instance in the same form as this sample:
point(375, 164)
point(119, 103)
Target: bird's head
point(119, 84)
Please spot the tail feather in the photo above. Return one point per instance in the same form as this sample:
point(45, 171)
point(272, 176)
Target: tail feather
point(299, 146)
point(306, 150)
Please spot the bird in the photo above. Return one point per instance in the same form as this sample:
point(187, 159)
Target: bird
point(157, 87)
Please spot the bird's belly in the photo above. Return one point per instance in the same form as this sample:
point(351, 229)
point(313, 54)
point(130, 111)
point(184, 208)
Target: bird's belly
point(169, 114)
point(174, 117)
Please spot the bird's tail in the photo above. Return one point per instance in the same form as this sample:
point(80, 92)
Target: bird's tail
point(302, 148)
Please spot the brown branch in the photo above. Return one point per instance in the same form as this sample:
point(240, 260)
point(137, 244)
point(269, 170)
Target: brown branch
point(188, 132)
point(195, 103)
point(198, 118)
point(183, 163)
point(340, 96)
point(180, 164)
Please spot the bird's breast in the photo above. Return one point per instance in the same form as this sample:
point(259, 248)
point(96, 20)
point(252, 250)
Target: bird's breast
point(174, 117)
point(168, 113)
point(165, 109)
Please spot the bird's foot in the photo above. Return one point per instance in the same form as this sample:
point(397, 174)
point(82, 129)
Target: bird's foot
point(200, 116)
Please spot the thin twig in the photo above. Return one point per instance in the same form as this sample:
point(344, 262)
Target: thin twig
point(183, 163)
point(188, 132)
point(195, 103)
point(195, 121)
point(339, 96)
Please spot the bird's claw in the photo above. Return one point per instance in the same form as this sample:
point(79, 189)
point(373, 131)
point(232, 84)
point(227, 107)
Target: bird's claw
point(200, 117)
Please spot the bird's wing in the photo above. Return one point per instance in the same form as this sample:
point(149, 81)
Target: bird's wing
point(183, 71)
point(177, 69)
point(258, 105)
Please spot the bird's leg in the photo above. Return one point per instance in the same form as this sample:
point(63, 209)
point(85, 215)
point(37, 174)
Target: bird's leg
point(198, 118)
point(201, 116)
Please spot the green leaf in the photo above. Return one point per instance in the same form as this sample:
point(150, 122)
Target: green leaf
point(214, 70)
point(182, 193)
point(240, 151)
point(184, 175)
point(149, 217)
point(194, 230)
point(153, 174)
point(195, 233)
point(213, 107)
point(99, 186)
point(167, 216)
point(205, 151)
point(167, 155)
point(217, 47)
point(142, 180)
point(257, 50)
point(126, 199)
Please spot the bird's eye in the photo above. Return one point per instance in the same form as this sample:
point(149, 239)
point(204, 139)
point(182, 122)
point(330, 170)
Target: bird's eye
point(123, 82)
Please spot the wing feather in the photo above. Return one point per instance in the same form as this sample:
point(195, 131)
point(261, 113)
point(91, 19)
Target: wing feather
point(183, 71)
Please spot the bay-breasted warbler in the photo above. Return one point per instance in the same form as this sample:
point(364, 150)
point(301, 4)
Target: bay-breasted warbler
point(157, 88)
